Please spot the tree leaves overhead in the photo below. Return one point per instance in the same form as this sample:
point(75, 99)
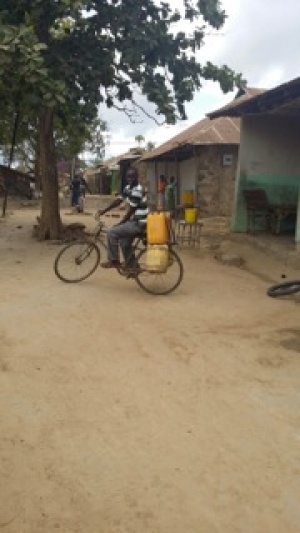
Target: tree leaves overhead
point(75, 54)
point(60, 59)
point(212, 12)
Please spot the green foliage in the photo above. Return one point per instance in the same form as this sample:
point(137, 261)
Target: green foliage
point(75, 54)
point(150, 146)
point(139, 139)
point(23, 73)
point(61, 59)
point(74, 137)
point(212, 12)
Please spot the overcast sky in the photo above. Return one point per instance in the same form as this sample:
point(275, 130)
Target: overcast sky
point(260, 39)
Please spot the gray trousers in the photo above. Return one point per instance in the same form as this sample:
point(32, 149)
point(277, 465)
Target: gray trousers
point(123, 235)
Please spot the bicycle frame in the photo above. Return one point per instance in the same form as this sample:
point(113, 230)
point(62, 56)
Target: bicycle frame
point(139, 242)
point(75, 255)
point(99, 231)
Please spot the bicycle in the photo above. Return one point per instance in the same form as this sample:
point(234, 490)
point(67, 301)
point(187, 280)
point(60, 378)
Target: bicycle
point(284, 289)
point(78, 260)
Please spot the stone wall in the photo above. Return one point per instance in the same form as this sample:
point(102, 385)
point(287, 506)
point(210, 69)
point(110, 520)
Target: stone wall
point(215, 181)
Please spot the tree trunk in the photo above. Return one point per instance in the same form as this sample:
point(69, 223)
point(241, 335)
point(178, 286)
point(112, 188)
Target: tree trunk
point(4, 205)
point(50, 223)
point(11, 156)
point(37, 166)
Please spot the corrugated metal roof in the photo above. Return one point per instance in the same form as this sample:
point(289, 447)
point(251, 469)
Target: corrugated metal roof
point(248, 92)
point(220, 131)
point(281, 100)
point(247, 96)
point(223, 130)
point(129, 157)
point(14, 173)
point(132, 154)
point(244, 95)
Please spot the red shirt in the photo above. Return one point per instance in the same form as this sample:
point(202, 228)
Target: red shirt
point(161, 186)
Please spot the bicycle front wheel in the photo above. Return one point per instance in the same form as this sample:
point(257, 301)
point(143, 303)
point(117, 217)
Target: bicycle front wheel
point(77, 261)
point(160, 283)
point(284, 289)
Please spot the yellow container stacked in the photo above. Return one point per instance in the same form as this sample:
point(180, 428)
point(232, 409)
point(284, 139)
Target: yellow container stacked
point(157, 228)
point(157, 256)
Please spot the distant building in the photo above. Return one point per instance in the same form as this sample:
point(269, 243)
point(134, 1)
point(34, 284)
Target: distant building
point(203, 159)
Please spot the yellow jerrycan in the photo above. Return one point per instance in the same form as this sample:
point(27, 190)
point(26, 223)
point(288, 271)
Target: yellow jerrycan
point(157, 257)
point(157, 228)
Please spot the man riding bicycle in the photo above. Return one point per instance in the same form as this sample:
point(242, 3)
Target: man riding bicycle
point(131, 226)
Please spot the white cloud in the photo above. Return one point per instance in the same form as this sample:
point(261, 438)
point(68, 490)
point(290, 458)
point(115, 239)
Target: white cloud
point(271, 77)
point(260, 39)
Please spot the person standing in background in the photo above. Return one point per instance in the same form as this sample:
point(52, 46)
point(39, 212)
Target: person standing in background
point(161, 192)
point(84, 187)
point(75, 190)
point(170, 195)
point(32, 190)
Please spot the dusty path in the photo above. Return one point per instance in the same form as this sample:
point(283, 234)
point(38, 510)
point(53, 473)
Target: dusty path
point(126, 413)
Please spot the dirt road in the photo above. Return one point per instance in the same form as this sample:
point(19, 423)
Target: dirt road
point(126, 413)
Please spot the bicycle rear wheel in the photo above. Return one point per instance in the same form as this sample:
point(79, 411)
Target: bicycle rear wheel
point(160, 283)
point(284, 289)
point(77, 261)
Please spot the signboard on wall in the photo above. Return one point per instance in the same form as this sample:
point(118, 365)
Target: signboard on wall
point(227, 160)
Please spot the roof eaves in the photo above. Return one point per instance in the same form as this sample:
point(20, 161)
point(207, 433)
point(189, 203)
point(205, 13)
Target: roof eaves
point(129, 157)
point(230, 109)
point(262, 102)
point(172, 150)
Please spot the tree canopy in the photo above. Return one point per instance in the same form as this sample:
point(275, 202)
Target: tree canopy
point(64, 58)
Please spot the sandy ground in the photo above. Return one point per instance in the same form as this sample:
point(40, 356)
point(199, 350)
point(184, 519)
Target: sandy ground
point(127, 413)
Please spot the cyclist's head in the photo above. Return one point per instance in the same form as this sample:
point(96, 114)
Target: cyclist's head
point(132, 176)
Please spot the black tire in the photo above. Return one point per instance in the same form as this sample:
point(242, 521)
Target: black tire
point(160, 283)
point(77, 261)
point(284, 289)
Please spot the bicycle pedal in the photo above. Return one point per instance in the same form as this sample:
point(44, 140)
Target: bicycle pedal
point(133, 273)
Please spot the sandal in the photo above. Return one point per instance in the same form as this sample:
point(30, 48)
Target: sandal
point(133, 271)
point(110, 264)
